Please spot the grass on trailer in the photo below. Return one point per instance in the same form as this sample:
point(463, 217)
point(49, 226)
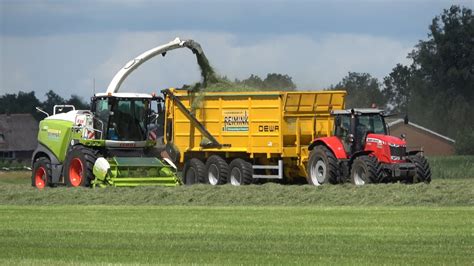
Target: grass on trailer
point(235, 235)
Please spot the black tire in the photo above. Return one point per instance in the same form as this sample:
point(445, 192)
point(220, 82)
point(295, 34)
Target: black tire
point(217, 170)
point(41, 174)
point(322, 167)
point(365, 170)
point(78, 167)
point(194, 172)
point(422, 169)
point(240, 172)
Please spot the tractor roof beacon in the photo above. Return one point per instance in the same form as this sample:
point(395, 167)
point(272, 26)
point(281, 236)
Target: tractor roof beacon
point(111, 144)
point(361, 151)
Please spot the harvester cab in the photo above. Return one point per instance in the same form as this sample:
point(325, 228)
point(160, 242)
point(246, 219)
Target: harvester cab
point(362, 151)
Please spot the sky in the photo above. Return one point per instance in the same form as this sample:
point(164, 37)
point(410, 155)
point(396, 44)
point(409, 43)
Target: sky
point(72, 47)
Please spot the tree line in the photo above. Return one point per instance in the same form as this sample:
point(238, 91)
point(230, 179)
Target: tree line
point(26, 102)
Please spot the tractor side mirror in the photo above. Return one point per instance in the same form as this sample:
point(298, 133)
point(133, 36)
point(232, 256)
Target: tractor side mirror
point(350, 138)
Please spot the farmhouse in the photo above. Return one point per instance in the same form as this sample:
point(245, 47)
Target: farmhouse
point(18, 136)
point(417, 136)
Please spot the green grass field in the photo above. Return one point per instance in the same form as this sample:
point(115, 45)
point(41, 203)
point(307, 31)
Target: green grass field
point(235, 235)
point(260, 224)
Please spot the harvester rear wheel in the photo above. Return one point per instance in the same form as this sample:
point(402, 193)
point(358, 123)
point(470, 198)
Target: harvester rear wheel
point(365, 170)
point(194, 172)
point(78, 167)
point(322, 167)
point(423, 170)
point(217, 170)
point(240, 172)
point(41, 174)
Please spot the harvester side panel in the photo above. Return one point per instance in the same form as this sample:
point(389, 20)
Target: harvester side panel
point(55, 135)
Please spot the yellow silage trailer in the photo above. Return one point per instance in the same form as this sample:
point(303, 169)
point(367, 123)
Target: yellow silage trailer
point(240, 137)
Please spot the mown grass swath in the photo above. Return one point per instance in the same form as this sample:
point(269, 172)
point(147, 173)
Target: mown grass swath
point(452, 186)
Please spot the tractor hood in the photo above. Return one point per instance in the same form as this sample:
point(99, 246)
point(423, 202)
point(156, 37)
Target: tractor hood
point(388, 149)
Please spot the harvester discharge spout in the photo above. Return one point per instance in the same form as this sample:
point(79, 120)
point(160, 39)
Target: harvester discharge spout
point(133, 64)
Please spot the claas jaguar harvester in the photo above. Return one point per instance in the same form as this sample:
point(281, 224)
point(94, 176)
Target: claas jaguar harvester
point(111, 144)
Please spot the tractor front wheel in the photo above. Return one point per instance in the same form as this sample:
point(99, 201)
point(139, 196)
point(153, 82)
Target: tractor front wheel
point(194, 172)
point(217, 170)
point(365, 170)
point(41, 174)
point(322, 167)
point(240, 172)
point(78, 167)
point(422, 168)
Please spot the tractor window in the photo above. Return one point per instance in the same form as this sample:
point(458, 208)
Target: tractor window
point(343, 126)
point(371, 123)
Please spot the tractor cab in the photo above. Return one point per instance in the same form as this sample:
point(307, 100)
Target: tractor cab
point(125, 117)
point(353, 126)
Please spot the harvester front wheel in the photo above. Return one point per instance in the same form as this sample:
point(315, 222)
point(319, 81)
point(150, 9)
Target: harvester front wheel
point(217, 170)
point(365, 170)
point(422, 168)
point(79, 164)
point(194, 172)
point(322, 166)
point(41, 174)
point(240, 172)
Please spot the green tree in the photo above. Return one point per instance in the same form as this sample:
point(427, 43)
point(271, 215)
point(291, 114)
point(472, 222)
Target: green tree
point(78, 102)
point(276, 81)
point(397, 86)
point(437, 90)
point(21, 103)
point(363, 90)
point(52, 99)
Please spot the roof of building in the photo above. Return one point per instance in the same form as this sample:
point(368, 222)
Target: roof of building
point(401, 121)
point(18, 132)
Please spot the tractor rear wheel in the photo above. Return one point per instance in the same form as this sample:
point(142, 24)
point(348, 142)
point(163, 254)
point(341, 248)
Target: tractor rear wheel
point(217, 170)
point(365, 170)
point(194, 172)
point(422, 169)
point(78, 167)
point(322, 166)
point(41, 174)
point(240, 172)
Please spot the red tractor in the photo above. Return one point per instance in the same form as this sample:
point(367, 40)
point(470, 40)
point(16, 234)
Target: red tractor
point(361, 151)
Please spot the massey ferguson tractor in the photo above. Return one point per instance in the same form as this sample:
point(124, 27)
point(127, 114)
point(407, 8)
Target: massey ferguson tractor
point(361, 151)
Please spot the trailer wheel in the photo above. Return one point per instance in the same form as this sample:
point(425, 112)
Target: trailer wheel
point(194, 172)
point(322, 166)
point(41, 174)
point(422, 168)
point(365, 170)
point(217, 170)
point(78, 167)
point(240, 172)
